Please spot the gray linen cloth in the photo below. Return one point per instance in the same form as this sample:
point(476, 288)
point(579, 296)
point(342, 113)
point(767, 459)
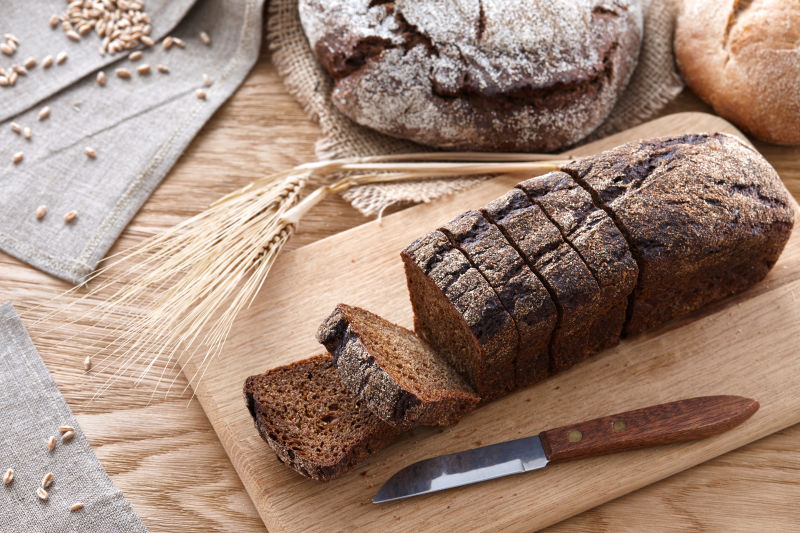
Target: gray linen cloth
point(32, 409)
point(138, 127)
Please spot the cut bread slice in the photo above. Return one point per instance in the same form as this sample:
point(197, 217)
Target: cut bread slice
point(311, 420)
point(397, 375)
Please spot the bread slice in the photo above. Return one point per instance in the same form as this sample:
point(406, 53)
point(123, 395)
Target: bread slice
point(311, 420)
point(570, 283)
point(460, 316)
point(522, 294)
point(599, 243)
point(705, 217)
point(393, 372)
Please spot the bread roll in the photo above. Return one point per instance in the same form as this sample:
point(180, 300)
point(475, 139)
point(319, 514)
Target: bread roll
point(509, 75)
point(743, 58)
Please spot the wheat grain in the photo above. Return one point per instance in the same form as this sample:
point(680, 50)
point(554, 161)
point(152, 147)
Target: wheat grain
point(147, 41)
point(101, 78)
point(47, 480)
point(30, 63)
point(64, 429)
point(17, 158)
point(206, 80)
point(11, 37)
point(200, 93)
point(205, 37)
point(70, 216)
point(135, 56)
point(41, 211)
point(77, 506)
point(12, 77)
point(51, 443)
point(61, 57)
point(167, 43)
point(27, 133)
point(16, 128)
point(54, 21)
point(47, 61)
point(19, 69)
point(90, 152)
point(87, 363)
point(143, 70)
point(123, 73)
point(42, 494)
point(163, 69)
point(179, 42)
point(8, 477)
point(7, 49)
point(67, 436)
point(73, 35)
point(44, 113)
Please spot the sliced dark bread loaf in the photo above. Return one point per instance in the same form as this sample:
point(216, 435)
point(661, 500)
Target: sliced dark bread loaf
point(522, 294)
point(570, 283)
point(393, 372)
point(311, 420)
point(705, 217)
point(598, 241)
point(460, 316)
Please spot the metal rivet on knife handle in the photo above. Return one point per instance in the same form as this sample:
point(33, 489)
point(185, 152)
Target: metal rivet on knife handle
point(574, 435)
point(619, 425)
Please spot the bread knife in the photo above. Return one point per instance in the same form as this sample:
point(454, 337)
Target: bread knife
point(679, 421)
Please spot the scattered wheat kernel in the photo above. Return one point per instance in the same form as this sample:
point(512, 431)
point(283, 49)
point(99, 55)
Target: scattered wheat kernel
point(51, 443)
point(101, 78)
point(16, 128)
point(47, 480)
point(87, 363)
point(64, 429)
point(135, 56)
point(206, 80)
point(17, 158)
point(19, 69)
point(167, 44)
point(69, 217)
point(143, 69)
point(77, 506)
point(123, 73)
point(26, 132)
point(179, 42)
point(30, 63)
point(3, 81)
point(11, 37)
point(6, 49)
point(146, 40)
point(73, 35)
point(206, 38)
point(47, 62)
point(163, 68)
point(41, 211)
point(42, 494)
point(54, 21)
point(61, 57)
point(90, 152)
point(8, 477)
point(200, 93)
point(67, 436)
point(44, 113)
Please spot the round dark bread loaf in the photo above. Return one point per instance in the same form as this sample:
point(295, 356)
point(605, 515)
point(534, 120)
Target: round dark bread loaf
point(509, 75)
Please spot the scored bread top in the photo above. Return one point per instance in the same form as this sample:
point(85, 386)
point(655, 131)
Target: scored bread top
point(311, 420)
point(398, 376)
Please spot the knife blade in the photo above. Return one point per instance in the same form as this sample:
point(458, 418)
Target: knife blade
point(678, 421)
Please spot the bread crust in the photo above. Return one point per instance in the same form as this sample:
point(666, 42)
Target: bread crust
point(743, 58)
point(511, 75)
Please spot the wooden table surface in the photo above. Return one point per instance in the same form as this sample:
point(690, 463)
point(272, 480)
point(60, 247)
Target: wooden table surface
point(163, 454)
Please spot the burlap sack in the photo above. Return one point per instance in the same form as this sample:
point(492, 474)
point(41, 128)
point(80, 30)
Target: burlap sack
point(653, 84)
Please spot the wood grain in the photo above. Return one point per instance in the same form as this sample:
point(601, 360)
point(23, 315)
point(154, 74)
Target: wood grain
point(656, 425)
point(163, 453)
point(716, 352)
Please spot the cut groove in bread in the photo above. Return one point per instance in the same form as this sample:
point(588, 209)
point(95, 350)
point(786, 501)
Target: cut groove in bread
point(397, 375)
point(459, 315)
point(571, 284)
point(522, 293)
point(311, 420)
point(705, 216)
point(599, 243)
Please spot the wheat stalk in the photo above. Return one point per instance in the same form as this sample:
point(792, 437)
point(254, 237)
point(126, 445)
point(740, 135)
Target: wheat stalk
point(183, 288)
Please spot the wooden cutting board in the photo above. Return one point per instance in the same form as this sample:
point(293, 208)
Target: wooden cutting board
point(744, 346)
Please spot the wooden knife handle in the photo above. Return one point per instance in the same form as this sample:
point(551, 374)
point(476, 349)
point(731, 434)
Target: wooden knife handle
point(679, 421)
